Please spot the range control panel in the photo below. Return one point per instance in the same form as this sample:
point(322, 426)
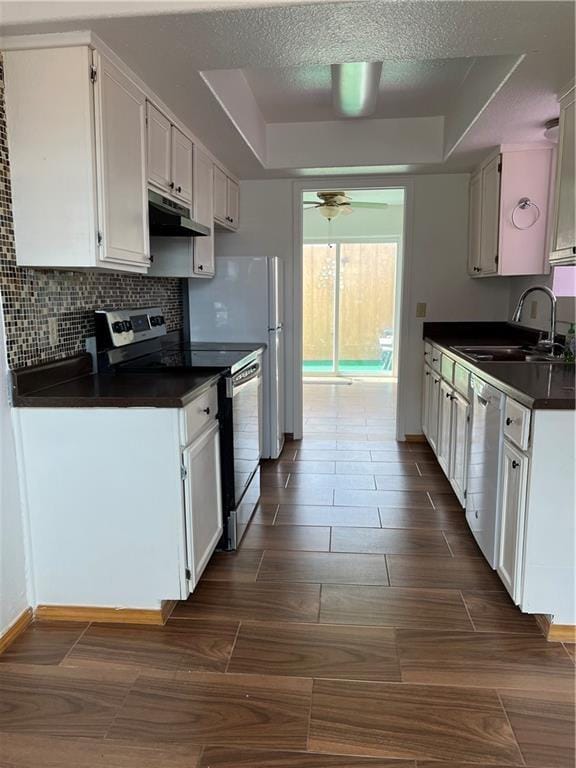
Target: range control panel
point(121, 327)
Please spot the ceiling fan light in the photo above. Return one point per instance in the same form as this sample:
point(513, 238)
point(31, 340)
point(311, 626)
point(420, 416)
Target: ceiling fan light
point(329, 211)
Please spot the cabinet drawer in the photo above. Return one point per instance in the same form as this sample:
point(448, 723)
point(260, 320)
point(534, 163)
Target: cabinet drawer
point(517, 423)
point(462, 380)
point(198, 414)
point(435, 359)
point(447, 368)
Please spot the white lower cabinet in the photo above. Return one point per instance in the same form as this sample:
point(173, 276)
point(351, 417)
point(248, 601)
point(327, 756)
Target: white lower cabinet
point(202, 499)
point(444, 426)
point(445, 420)
point(140, 511)
point(459, 445)
point(514, 474)
point(426, 382)
point(433, 407)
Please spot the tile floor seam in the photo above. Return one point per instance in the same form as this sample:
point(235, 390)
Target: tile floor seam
point(67, 654)
point(447, 542)
point(507, 716)
point(259, 567)
point(431, 500)
point(233, 647)
point(467, 610)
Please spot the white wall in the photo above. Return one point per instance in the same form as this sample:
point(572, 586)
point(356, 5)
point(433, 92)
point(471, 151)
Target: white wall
point(437, 275)
point(565, 311)
point(13, 572)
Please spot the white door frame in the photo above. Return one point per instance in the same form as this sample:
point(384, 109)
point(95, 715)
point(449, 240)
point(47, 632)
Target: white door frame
point(350, 183)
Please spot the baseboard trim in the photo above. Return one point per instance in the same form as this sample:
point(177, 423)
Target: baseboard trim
point(556, 633)
point(16, 629)
point(104, 614)
point(415, 438)
point(166, 609)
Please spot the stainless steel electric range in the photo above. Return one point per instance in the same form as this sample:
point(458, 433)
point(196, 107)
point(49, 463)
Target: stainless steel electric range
point(135, 341)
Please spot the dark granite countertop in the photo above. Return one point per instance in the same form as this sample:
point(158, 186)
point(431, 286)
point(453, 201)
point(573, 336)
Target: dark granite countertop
point(71, 384)
point(537, 385)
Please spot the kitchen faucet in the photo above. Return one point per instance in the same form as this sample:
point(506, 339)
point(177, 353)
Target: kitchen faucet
point(548, 343)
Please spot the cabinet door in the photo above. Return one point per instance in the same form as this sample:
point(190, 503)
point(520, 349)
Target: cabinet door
point(159, 140)
point(434, 399)
point(220, 195)
point(444, 427)
point(202, 499)
point(204, 213)
point(120, 112)
point(490, 218)
point(514, 473)
point(233, 203)
point(474, 223)
point(426, 382)
point(459, 443)
point(564, 239)
point(181, 165)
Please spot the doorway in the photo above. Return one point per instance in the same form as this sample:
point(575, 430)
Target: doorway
point(351, 254)
point(350, 308)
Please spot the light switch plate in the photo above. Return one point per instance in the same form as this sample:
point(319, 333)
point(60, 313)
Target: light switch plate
point(421, 309)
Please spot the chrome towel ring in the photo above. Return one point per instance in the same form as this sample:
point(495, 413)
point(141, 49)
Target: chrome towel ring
point(523, 204)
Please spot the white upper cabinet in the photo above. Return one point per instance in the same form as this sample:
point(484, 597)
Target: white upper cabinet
point(169, 157)
point(474, 224)
point(220, 195)
point(226, 200)
point(203, 213)
point(159, 144)
point(490, 217)
point(76, 133)
point(121, 163)
point(233, 197)
point(86, 138)
point(508, 217)
point(181, 165)
point(563, 234)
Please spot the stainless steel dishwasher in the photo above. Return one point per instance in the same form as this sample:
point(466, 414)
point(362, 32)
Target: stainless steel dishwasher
point(482, 512)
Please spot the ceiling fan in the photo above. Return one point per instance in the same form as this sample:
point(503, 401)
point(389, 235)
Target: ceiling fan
point(332, 204)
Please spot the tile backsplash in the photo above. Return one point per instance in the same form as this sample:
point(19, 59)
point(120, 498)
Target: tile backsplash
point(32, 298)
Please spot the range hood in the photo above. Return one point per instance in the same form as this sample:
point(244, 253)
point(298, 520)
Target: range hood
point(167, 218)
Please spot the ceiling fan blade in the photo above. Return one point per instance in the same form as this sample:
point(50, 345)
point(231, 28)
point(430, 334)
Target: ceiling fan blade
point(370, 205)
point(311, 206)
point(346, 210)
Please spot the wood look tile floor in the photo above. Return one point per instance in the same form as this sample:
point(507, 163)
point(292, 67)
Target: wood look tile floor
point(357, 626)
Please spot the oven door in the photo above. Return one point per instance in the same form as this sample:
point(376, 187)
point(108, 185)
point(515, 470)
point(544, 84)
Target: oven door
point(247, 425)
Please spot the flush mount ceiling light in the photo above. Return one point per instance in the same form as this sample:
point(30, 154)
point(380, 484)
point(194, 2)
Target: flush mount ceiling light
point(355, 88)
point(332, 204)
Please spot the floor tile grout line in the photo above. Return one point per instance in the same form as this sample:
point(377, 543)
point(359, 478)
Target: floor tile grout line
point(443, 532)
point(69, 651)
point(430, 499)
point(259, 567)
point(506, 715)
point(468, 611)
point(233, 646)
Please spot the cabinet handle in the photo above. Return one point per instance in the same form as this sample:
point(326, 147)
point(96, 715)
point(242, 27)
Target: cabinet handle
point(509, 421)
point(200, 267)
point(515, 464)
point(435, 359)
point(171, 185)
point(206, 411)
point(178, 189)
point(427, 373)
point(448, 394)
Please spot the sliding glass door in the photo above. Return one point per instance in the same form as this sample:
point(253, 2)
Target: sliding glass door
point(350, 308)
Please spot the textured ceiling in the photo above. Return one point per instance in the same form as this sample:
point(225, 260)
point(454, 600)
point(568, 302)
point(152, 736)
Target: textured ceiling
point(169, 51)
point(408, 88)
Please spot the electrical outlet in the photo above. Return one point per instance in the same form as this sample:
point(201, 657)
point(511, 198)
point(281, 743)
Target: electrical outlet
point(53, 336)
point(421, 309)
point(533, 310)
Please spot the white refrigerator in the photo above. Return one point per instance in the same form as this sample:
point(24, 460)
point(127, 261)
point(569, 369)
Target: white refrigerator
point(244, 302)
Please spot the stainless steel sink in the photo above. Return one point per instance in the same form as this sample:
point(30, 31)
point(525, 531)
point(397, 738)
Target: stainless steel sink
point(508, 354)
